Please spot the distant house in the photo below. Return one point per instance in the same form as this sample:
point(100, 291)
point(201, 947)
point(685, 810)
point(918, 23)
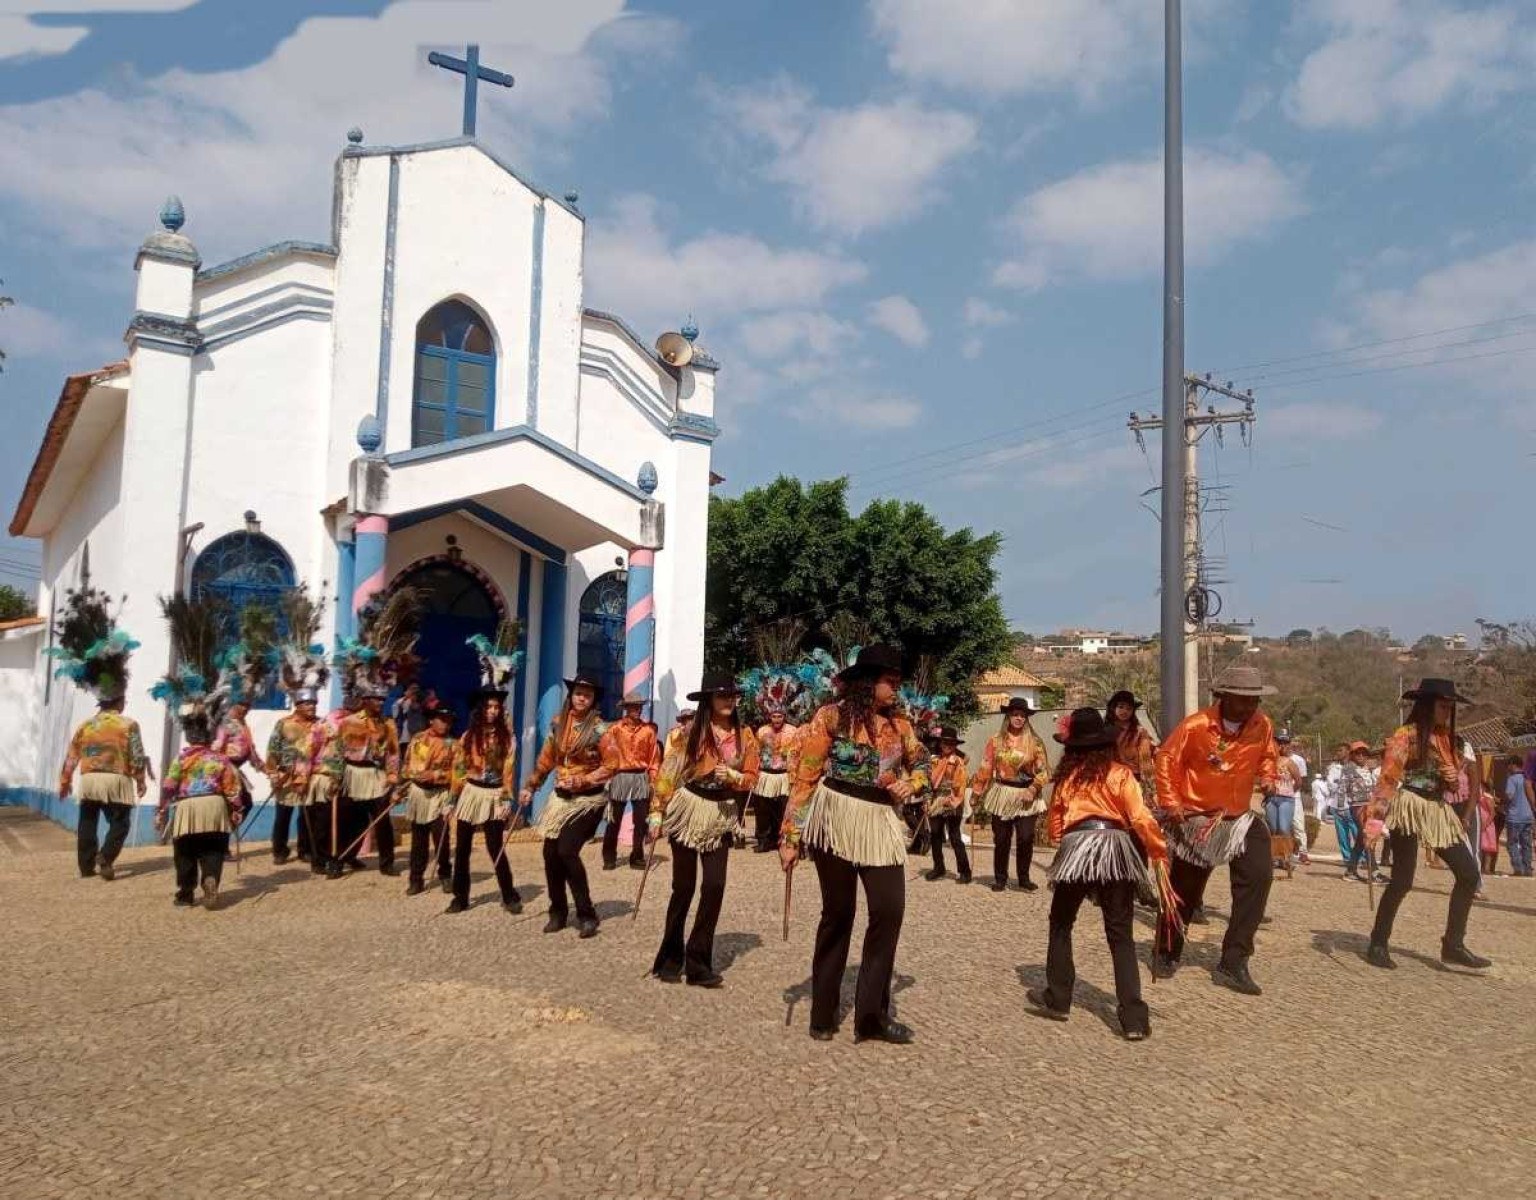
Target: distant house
point(996, 687)
point(1091, 641)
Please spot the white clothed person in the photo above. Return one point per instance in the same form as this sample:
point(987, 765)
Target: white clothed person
point(1298, 809)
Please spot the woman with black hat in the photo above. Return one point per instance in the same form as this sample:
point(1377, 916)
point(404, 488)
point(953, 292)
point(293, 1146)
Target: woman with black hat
point(860, 760)
point(696, 804)
point(946, 803)
point(1420, 778)
point(1103, 832)
point(1010, 785)
point(573, 752)
point(483, 778)
point(428, 778)
point(1133, 744)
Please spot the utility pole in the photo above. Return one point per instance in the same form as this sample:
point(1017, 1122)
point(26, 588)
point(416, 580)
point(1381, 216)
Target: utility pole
point(1174, 499)
point(1193, 597)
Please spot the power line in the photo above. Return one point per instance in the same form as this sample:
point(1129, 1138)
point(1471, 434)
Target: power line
point(1411, 337)
point(1391, 354)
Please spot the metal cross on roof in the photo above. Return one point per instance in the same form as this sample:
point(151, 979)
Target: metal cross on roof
point(469, 67)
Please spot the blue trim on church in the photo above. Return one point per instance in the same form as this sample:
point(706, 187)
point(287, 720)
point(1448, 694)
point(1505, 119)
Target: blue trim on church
point(264, 255)
point(551, 656)
point(520, 699)
point(387, 297)
point(473, 508)
point(514, 433)
point(535, 315)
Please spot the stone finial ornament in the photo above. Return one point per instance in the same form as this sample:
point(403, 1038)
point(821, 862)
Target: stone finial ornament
point(647, 479)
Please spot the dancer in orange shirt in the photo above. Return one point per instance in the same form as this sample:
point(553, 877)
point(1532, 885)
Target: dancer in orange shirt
point(631, 741)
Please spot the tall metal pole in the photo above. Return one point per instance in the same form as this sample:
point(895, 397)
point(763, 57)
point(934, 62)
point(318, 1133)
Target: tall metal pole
point(1172, 624)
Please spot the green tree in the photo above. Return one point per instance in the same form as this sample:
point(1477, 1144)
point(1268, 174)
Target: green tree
point(892, 573)
point(14, 604)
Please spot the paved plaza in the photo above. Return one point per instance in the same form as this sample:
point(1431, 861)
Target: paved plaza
point(318, 1038)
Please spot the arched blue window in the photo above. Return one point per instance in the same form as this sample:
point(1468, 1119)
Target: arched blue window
point(455, 392)
point(600, 637)
point(242, 569)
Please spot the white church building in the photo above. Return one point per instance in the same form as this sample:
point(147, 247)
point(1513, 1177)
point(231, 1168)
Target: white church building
point(424, 400)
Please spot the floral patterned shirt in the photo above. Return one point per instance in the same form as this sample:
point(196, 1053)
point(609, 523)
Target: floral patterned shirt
point(733, 762)
point(109, 744)
point(325, 745)
point(288, 754)
point(233, 740)
point(372, 741)
point(892, 754)
point(1012, 758)
point(1202, 768)
point(198, 771)
point(575, 752)
point(778, 745)
point(947, 779)
point(429, 761)
point(486, 766)
point(1442, 772)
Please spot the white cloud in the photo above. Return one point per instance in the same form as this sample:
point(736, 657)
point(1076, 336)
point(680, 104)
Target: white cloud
point(1482, 291)
point(1398, 60)
point(1330, 421)
point(979, 315)
point(250, 150)
point(1053, 462)
point(20, 36)
point(1107, 221)
point(635, 267)
point(832, 406)
point(1010, 47)
point(794, 334)
point(900, 318)
point(850, 170)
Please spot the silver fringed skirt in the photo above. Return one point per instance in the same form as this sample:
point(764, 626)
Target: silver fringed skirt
point(1096, 852)
point(1210, 841)
point(562, 810)
point(424, 805)
point(629, 786)
point(1433, 822)
point(702, 823)
point(867, 833)
point(478, 804)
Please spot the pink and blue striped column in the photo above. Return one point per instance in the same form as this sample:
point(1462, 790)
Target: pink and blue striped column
point(370, 536)
point(640, 623)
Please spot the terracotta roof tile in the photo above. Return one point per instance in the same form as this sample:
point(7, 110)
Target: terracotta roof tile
point(54, 437)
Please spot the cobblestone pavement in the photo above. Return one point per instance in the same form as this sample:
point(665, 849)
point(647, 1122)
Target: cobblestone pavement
point(337, 1039)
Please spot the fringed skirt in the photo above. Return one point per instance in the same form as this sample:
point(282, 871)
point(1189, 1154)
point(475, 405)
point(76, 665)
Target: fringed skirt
point(867, 833)
point(1433, 822)
point(629, 786)
point(200, 814)
point(1009, 803)
point(772, 784)
point(293, 797)
point(364, 783)
point(702, 823)
point(106, 787)
point(1101, 854)
point(322, 789)
point(562, 810)
point(944, 806)
point(1210, 841)
point(425, 805)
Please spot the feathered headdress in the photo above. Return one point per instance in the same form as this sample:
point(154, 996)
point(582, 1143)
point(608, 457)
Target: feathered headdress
point(191, 691)
point(301, 660)
point(924, 711)
point(500, 660)
point(92, 651)
point(383, 654)
point(795, 689)
point(246, 668)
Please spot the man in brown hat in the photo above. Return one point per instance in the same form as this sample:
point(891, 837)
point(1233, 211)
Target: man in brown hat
point(1207, 773)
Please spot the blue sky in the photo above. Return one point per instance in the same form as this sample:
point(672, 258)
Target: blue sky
point(923, 238)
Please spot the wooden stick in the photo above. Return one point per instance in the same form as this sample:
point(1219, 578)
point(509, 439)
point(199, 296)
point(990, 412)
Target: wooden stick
point(382, 813)
point(789, 883)
point(650, 861)
point(506, 837)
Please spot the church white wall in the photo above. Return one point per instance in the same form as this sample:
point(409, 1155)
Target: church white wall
point(560, 322)
point(21, 707)
point(613, 433)
point(164, 287)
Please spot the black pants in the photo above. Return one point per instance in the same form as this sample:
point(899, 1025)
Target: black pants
point(281, 814)
point(1118, 901)
point(355, 817)
point(639, 810)
point(948, 823)
point(697, 956)
point(119, 817)
point(429, 840)
point(463, 843)
point(1252, 871)
point(885, 895)
point(768, 812)
point(1002, 834)
point(198, 856)
point(1405, 861)
point(563, 866)
point(325, 848)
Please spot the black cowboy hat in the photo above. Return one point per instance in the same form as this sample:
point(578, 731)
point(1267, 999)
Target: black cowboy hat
point(715, 683)
point(1436, 689)
point(582, 679)
point(1017, 704)
point(482, 694)
point(871, 663)
point(441, 710)
point(1118, 697)
point(948, 733)
point(1087, 730)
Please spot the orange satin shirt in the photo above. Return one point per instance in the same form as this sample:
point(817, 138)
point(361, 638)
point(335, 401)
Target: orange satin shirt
point(1118, 798)
point(1203, 769)
point(633, 745)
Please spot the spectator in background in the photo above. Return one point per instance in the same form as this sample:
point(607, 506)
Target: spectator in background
point(1280, 802)
point(410, 713)
point(1299, 829)
point(1350, 797)
point(1322, 803)
point(1519, 813)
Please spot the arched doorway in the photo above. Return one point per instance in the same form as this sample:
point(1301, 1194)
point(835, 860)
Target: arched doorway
point(456, 604)
point(600, 637)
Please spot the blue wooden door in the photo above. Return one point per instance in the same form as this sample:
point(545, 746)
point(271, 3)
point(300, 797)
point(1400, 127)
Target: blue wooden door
point(455, 607)
point(600, 638)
